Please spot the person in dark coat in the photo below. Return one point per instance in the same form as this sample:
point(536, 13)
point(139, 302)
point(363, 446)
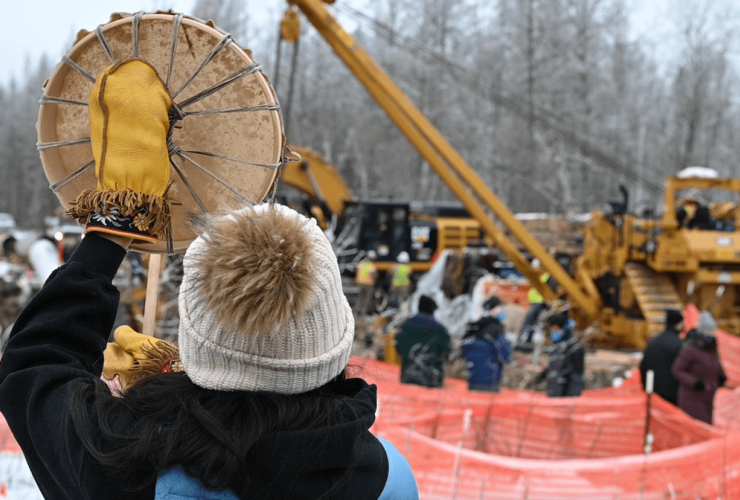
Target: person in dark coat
point(486, 348)
point(423, 344)
point(699, 371)
point(564, 372)
point(253, 402)
point(659, 356)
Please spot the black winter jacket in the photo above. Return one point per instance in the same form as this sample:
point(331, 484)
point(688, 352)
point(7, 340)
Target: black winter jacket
point(659, 356)
point(57, 346)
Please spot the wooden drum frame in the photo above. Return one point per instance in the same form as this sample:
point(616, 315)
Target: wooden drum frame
point(228, 144)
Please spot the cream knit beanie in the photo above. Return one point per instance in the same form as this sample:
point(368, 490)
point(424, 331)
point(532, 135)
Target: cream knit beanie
point(261, 305)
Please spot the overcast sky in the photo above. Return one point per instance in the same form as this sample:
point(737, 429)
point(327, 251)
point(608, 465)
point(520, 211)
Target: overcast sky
point(35, 27)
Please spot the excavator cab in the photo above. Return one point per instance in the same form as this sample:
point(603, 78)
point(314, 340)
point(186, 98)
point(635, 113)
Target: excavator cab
point(390, 227)
point(384, 228)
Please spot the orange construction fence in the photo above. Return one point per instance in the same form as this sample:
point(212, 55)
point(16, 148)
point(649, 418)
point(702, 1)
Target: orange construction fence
point(523, 445)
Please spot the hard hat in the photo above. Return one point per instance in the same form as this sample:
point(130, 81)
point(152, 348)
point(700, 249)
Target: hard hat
point(403, 258)
point(372, 255)
point(536, 263)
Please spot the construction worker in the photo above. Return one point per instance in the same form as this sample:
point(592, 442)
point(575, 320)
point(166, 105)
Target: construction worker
point(366, 279)
point(400, 280)
point(536, 306)
point(693, 214)
point(423, 345)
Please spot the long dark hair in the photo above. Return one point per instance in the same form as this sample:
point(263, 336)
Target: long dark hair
point(175, 422)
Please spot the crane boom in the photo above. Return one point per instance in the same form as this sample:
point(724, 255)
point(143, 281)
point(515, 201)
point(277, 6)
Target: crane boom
point(460, 178)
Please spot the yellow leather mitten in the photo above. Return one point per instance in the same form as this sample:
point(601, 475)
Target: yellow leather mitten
point(133, 356)
point(129, 123)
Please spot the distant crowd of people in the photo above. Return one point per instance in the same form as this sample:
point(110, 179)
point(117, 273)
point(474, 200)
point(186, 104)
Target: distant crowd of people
point(687, 372)
point(424, 346)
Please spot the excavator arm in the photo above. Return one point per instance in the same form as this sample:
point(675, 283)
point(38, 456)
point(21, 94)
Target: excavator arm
point(319, 180)
point(459, 177)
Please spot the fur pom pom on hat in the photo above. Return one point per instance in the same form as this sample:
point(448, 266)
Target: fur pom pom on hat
point(261, 304)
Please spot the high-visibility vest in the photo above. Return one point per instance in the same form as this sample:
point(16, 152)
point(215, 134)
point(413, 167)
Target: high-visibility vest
point(533, 295)
point(401, 275)
point(365, 273)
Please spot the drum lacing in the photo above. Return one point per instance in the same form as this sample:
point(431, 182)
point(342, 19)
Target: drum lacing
point(104, 43)
point(176, 112)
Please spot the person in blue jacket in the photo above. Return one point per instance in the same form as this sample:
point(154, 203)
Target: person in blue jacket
point(254, 402)
point(486, 348)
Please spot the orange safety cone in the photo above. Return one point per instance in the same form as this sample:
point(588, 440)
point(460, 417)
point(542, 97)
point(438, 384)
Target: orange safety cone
point(3, 490)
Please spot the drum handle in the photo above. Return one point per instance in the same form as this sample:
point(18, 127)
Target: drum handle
point(152, 294)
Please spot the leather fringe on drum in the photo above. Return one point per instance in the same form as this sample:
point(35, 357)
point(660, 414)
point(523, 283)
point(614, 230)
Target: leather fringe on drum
point(146, 214)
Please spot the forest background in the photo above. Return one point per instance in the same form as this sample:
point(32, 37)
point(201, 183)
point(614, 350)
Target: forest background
point(550, 101)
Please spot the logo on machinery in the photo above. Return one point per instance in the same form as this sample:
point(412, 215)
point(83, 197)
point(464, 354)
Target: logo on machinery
point(724, 241)
point(420, 234)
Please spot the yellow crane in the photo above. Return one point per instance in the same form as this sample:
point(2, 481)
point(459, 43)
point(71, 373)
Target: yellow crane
point(632, 269)
point(462, 180)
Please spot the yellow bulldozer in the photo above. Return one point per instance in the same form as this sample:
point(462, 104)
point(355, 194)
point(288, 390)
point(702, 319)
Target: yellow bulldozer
point(641, 266)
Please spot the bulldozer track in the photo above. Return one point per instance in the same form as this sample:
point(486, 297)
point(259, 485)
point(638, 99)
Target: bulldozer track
point(654, 293)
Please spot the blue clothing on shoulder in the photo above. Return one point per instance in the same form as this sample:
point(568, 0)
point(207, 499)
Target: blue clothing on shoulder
point(175, 484)
point(400, 484)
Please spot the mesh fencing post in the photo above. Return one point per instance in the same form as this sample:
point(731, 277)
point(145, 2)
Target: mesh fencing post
point(456, 465)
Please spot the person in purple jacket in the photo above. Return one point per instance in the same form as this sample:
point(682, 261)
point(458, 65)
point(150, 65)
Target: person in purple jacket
point(699, 371)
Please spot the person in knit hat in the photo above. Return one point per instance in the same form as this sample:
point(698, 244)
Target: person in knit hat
point(261, 304)
point(254, 402)
point(699, 371)
point(660, 354)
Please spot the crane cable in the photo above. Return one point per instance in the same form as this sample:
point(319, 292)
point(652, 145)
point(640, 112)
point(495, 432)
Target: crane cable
point(474, 81)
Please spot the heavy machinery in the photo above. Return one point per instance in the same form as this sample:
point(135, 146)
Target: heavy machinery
point(643, 266)
point(631, 269)
point(423, 230)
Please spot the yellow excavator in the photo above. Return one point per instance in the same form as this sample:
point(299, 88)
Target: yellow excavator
point(631, 270)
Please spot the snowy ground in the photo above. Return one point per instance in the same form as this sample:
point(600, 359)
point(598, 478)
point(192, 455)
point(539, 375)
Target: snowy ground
point(16, 481)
